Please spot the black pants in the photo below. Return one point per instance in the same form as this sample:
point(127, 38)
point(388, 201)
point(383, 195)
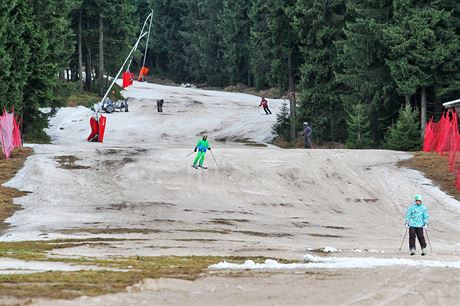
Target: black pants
point(267, 110)
point(160, 107)
point(307, 143)
point(416, 231)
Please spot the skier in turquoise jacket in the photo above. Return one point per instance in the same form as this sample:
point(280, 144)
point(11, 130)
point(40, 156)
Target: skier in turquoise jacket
point(201, 147)
point(416, 220)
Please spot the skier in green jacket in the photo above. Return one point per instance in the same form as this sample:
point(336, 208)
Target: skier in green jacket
point(201, 147)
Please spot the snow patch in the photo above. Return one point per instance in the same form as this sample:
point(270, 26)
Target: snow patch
point(15, 266)
point(313, 262)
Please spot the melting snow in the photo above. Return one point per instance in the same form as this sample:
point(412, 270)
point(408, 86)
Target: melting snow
point(335, 263)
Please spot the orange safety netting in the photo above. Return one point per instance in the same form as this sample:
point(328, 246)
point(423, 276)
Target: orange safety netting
point(142, 73)
point(443, 137)
point(10, 135)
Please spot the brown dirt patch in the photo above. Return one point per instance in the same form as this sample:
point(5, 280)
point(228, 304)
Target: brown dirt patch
point(436, 168)
point(69, 162)
point(8, 169)
point(109, 230)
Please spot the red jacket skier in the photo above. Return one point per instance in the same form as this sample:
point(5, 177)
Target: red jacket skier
point(264, 104)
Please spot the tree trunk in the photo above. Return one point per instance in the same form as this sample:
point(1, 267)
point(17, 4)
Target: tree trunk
point(101, 56)
point(89, 66)
point(407, 98)
point(292, 99)
point(80, 53)
point(422, 111)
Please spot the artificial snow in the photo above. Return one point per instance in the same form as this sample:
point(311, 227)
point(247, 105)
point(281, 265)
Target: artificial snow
point(16, 266)
point(314, 262)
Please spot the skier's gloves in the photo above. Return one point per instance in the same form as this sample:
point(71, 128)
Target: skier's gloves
point(209, 148)
point(406, 224)
point(425, 225)
point(194, 150)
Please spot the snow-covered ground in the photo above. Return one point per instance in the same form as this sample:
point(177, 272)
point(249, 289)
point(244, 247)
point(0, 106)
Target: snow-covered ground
point(261, 201)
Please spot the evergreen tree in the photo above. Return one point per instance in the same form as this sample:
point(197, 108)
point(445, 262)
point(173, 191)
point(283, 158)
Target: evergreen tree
point(423, 49)
point(359, 131)
point(404, 135)
point(281, 126)
point(234, 29)
point(203, 54)
point(167, 46)
point(259, 45)
point(320, 26)
point(364, 71)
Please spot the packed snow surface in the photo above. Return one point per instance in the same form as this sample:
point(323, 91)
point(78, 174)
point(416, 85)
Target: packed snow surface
point(255, 199)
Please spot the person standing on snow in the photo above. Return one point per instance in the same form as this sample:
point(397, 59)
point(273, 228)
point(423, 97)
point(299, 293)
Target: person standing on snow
point(264, 104)
point(307, 131)
point(160, 105)
point(201, 147)
point(416, 220)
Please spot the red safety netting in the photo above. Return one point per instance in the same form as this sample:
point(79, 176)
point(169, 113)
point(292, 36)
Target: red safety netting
point(10, 135)
point(443, 137)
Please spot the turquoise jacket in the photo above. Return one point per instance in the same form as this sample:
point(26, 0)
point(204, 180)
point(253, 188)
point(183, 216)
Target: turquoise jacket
point(202, 145)
point(417, 215)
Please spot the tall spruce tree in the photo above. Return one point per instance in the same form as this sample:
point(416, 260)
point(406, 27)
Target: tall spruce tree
point(423, 48)
point(320, 26)
point(364, 72)
point(234, 29)
point(358, 125)
point(404, 135)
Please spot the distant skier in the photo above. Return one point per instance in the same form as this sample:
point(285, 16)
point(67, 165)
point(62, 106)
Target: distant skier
point(264, 104)
point(416, 220)
point(201, 147)
point(160, 105)
point(307, 131)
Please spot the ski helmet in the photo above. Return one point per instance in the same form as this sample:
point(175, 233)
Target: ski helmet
point(418, 197)
point(205, 136)
point(305, 123)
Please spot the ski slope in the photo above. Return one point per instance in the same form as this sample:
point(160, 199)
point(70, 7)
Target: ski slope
point(257, 200)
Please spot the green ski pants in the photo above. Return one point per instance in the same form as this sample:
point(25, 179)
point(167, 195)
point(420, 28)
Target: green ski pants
point(200, 156)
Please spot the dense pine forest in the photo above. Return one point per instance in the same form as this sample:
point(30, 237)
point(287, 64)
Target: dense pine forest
point(364, 73)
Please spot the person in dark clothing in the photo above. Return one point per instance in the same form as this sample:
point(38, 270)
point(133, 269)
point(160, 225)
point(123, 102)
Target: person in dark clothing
point(264, 104)
point(160, 105)
point(417, 219)
point(307, 131)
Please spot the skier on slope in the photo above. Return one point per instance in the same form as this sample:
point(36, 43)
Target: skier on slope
point(201, 147)
point(416, 220)
point(264, 104)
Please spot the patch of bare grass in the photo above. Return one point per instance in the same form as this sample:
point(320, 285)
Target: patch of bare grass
point(436, 168)
point(67, 285)
point(8, 169)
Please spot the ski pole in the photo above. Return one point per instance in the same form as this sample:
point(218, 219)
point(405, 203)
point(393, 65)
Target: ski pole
point(428, 238)
point(189, 154)
point(404, 238)
point(214, 158)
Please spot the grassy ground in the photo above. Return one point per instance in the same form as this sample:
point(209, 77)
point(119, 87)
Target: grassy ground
point(88, 99)
point(436, 168)
point(90, 283)
point(8, 169)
